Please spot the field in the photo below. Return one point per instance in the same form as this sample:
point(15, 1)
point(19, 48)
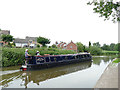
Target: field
point(110, 52)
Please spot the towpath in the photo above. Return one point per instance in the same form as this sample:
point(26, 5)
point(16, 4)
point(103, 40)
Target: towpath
point(110, 78)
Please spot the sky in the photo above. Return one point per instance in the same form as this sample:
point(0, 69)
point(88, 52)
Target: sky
point(57, 20)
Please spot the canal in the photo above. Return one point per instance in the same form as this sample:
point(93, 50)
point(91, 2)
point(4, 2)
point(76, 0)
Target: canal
point(80, 75)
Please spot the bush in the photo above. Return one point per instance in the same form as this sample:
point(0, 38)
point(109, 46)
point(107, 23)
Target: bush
point(95, 50)
point(38, 45)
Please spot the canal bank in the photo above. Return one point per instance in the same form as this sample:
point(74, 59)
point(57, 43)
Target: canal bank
point(109, 78)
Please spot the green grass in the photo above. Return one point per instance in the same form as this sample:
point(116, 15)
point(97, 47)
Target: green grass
point(110, 52)
point(116, 60)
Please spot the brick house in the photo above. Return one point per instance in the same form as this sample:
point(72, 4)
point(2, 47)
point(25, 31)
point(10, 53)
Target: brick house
point(69, 46)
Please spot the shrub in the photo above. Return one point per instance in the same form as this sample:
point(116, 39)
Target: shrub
point(95, 50)
point(38, 45)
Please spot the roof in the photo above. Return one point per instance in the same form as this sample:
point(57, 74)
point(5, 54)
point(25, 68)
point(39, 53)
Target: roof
point(6, 32)
point(64, 44)
point(31, 38)
point(72, 43)
point(17, 40)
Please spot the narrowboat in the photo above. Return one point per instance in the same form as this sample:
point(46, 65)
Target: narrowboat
point(47, 61)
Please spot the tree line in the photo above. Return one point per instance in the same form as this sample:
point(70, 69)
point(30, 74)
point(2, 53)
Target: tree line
point(110, 47)
point(96, 48)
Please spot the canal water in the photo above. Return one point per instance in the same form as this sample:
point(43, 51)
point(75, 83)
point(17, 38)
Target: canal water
point(80, 75)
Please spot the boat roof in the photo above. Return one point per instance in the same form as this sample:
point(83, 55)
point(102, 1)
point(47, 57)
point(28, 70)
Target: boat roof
point(63, 55)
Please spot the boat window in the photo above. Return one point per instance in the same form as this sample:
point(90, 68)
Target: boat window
point(74, 57)
point(66, 57)
point(82, 56)
point(88, 56)
point(69, 57)
point(62, 58)
point(52, 59)
point(47, 59)
point(77, 56)
point(58, 58)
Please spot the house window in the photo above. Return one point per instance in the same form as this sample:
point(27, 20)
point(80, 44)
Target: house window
point(70, 46)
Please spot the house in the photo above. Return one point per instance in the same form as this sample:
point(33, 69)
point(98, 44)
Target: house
point(32, 41)
point(6, 32)
point(27, 42)
point(69, 46)
point(20, 42)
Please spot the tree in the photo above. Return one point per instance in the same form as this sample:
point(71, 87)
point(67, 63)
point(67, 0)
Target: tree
point(80, 47)
point(38, 45)
point(95, 50)
point(97, 44)
point(112, 47)
point(89, 44)
point(117, 47)
point(54, 46)
point(7, 38)
point(43, 41)
point(86, 49)
point(106, 8)
point(105, 47)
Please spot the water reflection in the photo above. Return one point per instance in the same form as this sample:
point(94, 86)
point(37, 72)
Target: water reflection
point(42, 75)
point(97, 60)
point(8, 78)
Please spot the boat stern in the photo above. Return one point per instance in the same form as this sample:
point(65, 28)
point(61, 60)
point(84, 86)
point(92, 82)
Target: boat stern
point(23, 68)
